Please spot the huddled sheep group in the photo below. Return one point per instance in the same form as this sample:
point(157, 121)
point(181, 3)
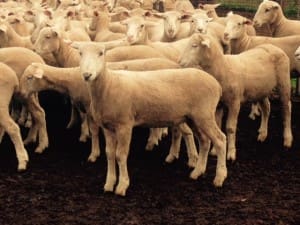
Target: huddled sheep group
point(161, 64)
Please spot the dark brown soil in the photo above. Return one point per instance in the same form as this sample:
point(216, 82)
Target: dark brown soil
point(60, 187)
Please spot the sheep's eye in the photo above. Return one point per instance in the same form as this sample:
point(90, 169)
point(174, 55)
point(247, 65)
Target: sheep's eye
point(192, 21)
point(47, 36)
point(194, 45)
point(29, 78)
point(101, 53)
point(267, 10)
point(239, 24)
point(80, 53)
point(142, 25)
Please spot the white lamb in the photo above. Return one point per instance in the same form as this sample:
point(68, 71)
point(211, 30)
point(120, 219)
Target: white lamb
point(248, 76)
point(271, 14)
point(8, 85)
point(123, 99)
point(38, 77)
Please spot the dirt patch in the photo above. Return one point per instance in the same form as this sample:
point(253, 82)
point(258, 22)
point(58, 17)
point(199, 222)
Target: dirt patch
point(60, 187)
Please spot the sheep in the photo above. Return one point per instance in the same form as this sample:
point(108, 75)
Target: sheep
point(201, 23)
point(211, 12)
point(248, 76)
point(100, 24)
point(18, 58)
point(10, 38)
point(38, 77)
point(297, 53)
point(175, 27)
point(22, 27)
point(240, 41)
point(8, 85)
point(124, 99)
point(270, 13)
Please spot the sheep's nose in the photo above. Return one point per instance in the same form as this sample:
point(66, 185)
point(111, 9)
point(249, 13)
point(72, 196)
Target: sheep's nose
point(200, 30)
point(87, 75)
point(226, 35)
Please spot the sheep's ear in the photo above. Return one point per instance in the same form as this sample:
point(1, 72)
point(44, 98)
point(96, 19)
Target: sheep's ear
point(247, 22)
point(230, 13)
point(216, 5)
point(3, 28)
point(38, 73)
point(200, 6)
point(75, 45)
point(206, 42)
point(275, 7)
point(186, 17)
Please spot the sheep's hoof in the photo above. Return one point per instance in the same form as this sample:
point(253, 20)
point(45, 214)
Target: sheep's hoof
point(192, 161)
point(195, 174)
point(231, 154)
point(22, 165)
point(92, 158)
point(170, 158)
point(83, 138)
point(28, 123)
point(109, 187)
point(213, 152)
point(288, 142)
point(252, 116)
point(220, 177)
point(149, 146)
point(120, 191)
point(262, 136)
point(39, 149)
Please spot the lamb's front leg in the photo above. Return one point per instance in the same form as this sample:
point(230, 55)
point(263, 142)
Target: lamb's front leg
point(94, 129)
point(265, 113)
point(219, 117)
point(175, 145)
point(110, 149)
point(123, 134)
point(231, 125)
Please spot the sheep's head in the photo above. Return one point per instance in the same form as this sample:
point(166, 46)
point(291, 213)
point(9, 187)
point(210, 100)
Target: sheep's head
point(47, 41)
point(3, 34)
point(210, 9)
point(199, 23)
point(197, 51)
point(136, 29)
point(235, 26)
point(172, 22)
point(92, 59)
point(30, 81)
point(267, 13)
point(297, 54)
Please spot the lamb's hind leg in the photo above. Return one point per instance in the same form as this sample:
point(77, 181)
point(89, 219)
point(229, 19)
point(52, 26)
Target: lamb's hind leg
point(208, 129)
point(265, 113)
point(219, 117)
point(190, 144)
point(13, 131)
point(286, 111)
point(175, 145)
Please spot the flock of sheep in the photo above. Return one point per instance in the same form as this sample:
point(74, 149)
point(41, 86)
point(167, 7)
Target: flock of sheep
point(160, 64)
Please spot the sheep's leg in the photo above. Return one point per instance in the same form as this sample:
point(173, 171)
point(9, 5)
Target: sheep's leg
point(190, 144)
point(255, 111)
point(94, 129)
point(155, 136)
point(73, 117)
point(231, 125)
point(287, 131)
point(219, 117)
point(84, 134)
point(38, 115)
point(123, 141)
point(265, 113)
point(28, 122)
point(110, 149)
point(2, 132)
point(175, 145)
point(14, 133)
point(208, 127)
point(23, 116)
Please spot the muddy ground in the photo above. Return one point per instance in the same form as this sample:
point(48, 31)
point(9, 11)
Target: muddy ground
point(60, 187)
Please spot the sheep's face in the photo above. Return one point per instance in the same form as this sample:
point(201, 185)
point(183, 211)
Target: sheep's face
point(172, 22)
point(136, 30)
point(92, 59)
point(199, 23)
point(47, 41)
point(31, 80)
point(266, 13)
point(210, 9)
point(235, 26)
point(297, 54)
point(3, 35)
point(197, 51)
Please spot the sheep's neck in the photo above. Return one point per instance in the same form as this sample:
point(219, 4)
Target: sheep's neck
point(278, 23)
point(102, 24)
point(15, 40)
point(65, 54)
point(240, 44)
point(61, 79)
